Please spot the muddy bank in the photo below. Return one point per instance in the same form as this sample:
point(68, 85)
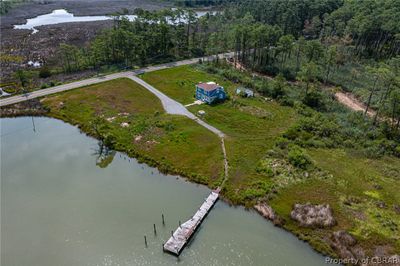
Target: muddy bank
point(20, 13)
point(20, 46)
point(28, 108)
point(42, 46)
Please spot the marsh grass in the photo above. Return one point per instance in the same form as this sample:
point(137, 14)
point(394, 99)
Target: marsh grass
point(175, 144)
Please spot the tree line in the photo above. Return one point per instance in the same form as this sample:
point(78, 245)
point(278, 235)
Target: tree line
point(309, 48)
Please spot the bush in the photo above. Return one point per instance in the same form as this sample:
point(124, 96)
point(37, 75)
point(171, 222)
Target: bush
point(286, 101)
point(109, 140)
point(211, 69)
point(197, 52)
point(289, 75)
point(9, 90)
point(271, 70)
point(44, 86)
point(314, 99)
point(397, 151)
point(232, 75)
point(298, 158)
point(44, 72)
point(278, 87)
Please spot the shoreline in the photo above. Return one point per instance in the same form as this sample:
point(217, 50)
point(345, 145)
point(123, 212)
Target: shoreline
point(165, 169)
point(168, 170)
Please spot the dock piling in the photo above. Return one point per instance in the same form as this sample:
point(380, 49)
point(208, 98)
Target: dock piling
point(155, 230)
point(145, 241)
point(163, 221)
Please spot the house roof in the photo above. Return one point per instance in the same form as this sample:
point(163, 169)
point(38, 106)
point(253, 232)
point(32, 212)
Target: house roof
point(210, 86)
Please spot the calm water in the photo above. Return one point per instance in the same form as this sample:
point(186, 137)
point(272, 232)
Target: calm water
point(59, 208)
point(63, 16)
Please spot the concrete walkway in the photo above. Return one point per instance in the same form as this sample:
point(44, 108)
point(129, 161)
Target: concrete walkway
point(197, 102)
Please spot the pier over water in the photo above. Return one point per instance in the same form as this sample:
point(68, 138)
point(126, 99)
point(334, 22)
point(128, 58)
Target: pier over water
point(178, 240)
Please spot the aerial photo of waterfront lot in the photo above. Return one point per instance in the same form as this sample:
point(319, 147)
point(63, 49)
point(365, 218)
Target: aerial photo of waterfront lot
point(199, 132)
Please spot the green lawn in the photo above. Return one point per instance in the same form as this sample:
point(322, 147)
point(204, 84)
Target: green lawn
point(173, 143)
point(179, 82)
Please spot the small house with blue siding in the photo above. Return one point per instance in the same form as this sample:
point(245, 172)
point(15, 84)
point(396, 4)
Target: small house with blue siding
point(210, 92)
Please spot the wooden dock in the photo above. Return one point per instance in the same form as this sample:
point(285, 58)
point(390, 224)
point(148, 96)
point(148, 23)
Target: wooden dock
point(177, 242)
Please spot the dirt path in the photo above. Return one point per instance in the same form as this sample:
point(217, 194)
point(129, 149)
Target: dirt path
point(345, 98)
point(226, 166)
point(351, 102)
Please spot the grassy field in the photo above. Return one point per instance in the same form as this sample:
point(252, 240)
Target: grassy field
point(175, 144)
point(179, 82)
point(251, 125)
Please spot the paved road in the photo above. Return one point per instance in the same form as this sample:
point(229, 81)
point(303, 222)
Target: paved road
point(90, 81)
point(170, 106)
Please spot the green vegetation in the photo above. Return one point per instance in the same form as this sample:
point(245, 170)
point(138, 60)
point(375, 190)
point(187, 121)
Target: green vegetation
point(325, 162)
point(181, 81)
point(321, 44)
point(279, 151)
point(324, 123)
point(351, 44)
point(251, 125)
point(293, 143)
point(361, 191)
point(128, 118)
point(6, 5)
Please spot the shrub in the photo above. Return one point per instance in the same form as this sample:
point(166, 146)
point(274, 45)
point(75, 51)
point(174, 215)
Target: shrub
point(271, 70)
point(397, 151)
point(281, 143)
point(211, 69)
point(44, 72)
point(286, 101)
point(298, 158)
point(44, 86)
point(289, 75)
point(278, 87)
point(232, 75)
point(9, 89)
point(314, 99)
point(264, 168)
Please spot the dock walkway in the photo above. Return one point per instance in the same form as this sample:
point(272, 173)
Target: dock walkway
point(185, 231)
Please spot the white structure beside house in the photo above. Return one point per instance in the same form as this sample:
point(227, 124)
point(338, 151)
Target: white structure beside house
point(245, 92)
